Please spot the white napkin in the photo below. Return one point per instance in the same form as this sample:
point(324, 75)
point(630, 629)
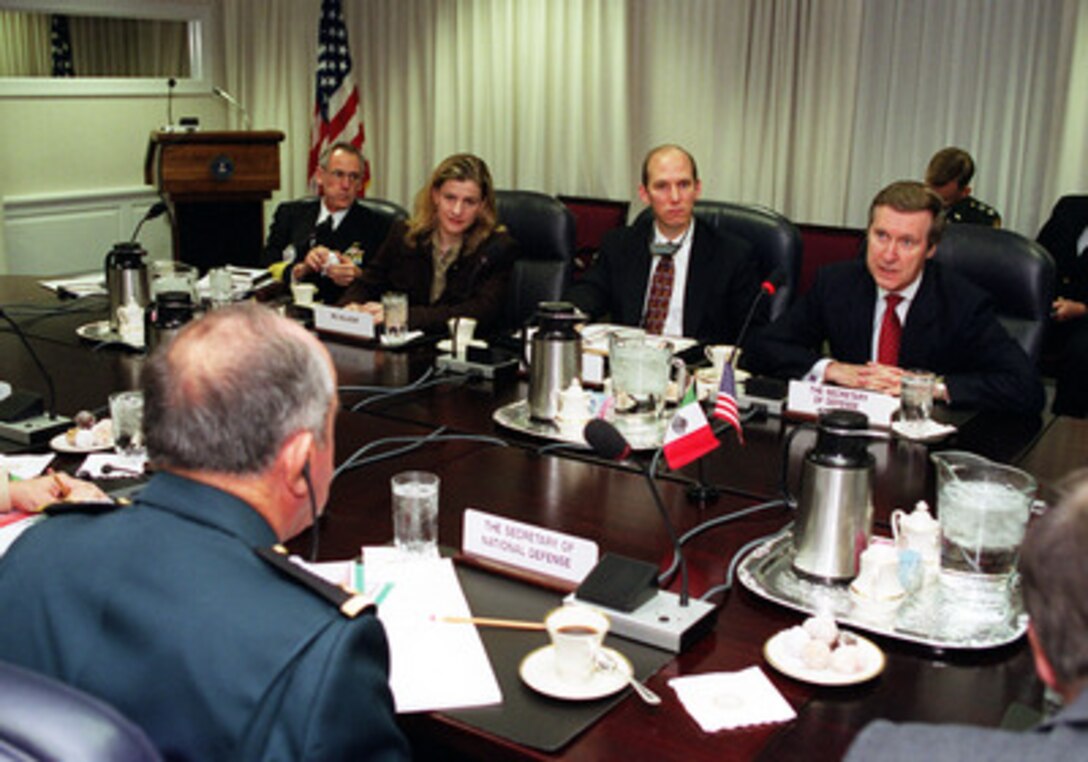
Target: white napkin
point(387, 341)
point(728, 700)
point(923, 431)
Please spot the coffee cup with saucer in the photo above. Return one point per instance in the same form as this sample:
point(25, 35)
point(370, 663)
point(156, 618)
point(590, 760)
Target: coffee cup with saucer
point(568, 667)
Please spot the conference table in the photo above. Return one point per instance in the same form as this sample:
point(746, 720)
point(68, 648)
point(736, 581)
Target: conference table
point(571, 490)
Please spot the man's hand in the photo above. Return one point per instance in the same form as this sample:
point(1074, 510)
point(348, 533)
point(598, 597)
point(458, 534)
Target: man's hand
point(372, 308)
point(1067, 309)
point(35, 494)
point(315, 261)
point(344, 271)
point(872, 376)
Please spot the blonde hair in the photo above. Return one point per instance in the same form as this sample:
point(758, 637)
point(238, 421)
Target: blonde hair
point(461, 167)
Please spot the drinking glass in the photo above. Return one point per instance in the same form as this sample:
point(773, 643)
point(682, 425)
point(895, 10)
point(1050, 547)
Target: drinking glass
point(395, 314)
point(916, 398)
point(127, 417)
point(415, 513)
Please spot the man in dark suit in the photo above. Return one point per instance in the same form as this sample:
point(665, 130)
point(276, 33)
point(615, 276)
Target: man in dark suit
point(325, 239)
point(1065, 236)
point(672, 274)
point(177, 610)
point(942, 323)
point(1053, 566)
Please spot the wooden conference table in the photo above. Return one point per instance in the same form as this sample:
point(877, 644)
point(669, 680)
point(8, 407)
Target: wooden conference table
point(576, 493)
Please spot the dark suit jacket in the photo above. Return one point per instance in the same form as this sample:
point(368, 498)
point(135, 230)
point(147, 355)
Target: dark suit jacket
point(294, 223)
point(721, 285)
point(475, 283)
point(164, 610)
point(951, 330)
point(1059, 236)
point(1056, 740)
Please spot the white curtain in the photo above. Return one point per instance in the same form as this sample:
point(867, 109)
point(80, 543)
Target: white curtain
point(806, 106)
point(24, 44)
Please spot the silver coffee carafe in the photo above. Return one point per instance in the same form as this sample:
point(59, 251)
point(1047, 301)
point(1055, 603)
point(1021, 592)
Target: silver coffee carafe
point(555, 357)
point(835, 513)
point(126, 278)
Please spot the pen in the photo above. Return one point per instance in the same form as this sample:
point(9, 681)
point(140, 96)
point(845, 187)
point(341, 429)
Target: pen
point(63, 490)
point(482, 621)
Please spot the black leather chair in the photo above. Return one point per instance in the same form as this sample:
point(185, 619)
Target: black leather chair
point(544, 230)
point(44, 719)
point(387, 209)
point(1018, 274)
point(775, 241)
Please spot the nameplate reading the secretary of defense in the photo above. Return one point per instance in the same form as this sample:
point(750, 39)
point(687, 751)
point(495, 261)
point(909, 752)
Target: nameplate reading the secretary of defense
point(810, 399)
point(346, 322)
point(528, 547)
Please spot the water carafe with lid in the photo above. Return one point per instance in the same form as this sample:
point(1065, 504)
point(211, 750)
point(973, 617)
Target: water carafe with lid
point(835, 512)
point(126, 278)
point(555, 357)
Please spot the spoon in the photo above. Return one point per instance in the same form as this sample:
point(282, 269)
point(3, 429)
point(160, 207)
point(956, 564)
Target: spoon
point(607, 663)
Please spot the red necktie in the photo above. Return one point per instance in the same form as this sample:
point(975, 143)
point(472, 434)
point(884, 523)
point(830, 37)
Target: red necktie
point(657, 306)
point(887, 352)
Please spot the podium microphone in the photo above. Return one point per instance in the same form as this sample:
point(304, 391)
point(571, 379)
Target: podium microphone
point(637, 609)
point(170, 85)
point(233, 102)
point(21, 415)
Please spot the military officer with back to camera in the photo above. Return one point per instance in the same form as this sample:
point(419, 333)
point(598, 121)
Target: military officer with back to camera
point(177, 610)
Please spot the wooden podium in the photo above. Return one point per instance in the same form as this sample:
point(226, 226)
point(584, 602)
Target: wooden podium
point(216, 183)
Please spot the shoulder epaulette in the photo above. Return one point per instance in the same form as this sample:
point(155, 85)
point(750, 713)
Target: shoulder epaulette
point(350, 604)
point(90, 506)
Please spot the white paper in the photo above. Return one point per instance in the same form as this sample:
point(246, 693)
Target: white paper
point(122, 466)
point(434, 665)
point(25, 466)
point(79, 285)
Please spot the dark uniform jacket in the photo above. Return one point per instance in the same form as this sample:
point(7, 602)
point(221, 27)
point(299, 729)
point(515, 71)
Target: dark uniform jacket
point(164, 610)
point(476, 281)
point(950, 329)
point(971, 211)
point(722, 282)
point(295, 224)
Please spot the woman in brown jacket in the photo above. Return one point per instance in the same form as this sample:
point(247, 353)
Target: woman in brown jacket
point(451, 257)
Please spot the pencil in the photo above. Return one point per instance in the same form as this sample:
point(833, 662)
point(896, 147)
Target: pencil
point(63, 490)
point(481, 621)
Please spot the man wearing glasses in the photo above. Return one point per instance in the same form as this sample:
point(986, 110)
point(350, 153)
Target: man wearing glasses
point(324, 239)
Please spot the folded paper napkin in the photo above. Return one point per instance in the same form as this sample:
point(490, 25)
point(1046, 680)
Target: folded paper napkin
point(386, 341)
point(729, 700)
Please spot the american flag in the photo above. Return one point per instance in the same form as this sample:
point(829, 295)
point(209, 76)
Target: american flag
point(725, 404)
point(61, 45)
point(336, 109)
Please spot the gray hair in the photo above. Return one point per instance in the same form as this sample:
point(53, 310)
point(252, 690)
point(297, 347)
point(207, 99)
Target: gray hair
point(344, 146)
point(1053, 567)
point(229, 390)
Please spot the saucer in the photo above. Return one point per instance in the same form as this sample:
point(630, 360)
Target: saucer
point(446, 345)
point(60, 443)
point(537, 669)
point(777, 654)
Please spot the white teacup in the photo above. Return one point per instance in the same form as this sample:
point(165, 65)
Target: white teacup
point(878, 579)
point(461, 331)
point(303, 293)
point(577, 633)
point(719, 354)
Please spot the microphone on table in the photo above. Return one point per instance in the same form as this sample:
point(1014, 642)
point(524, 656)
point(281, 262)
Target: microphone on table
point(235, 103)
point(156, 210)
point(22, 415)
point(766, 288)
point(608, 442)
point(627, 588)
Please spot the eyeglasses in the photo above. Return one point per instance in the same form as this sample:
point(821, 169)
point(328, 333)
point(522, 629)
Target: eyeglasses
point(340, 175)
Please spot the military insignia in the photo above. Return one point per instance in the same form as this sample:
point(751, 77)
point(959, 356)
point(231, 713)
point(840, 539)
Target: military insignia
point(349, 603)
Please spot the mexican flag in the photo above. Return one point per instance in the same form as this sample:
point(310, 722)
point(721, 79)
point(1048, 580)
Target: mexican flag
point(689, 436)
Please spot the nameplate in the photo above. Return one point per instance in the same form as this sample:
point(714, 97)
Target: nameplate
point(528, 547)
point(346, 322)
point(808, 398)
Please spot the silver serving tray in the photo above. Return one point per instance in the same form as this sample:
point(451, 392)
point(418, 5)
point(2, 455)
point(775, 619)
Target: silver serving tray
point(923, 617)
point(99, 332)
point(516, 416)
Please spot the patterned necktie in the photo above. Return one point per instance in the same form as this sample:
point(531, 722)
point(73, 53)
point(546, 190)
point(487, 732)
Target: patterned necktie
point(657, 306)
point(891, 330)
